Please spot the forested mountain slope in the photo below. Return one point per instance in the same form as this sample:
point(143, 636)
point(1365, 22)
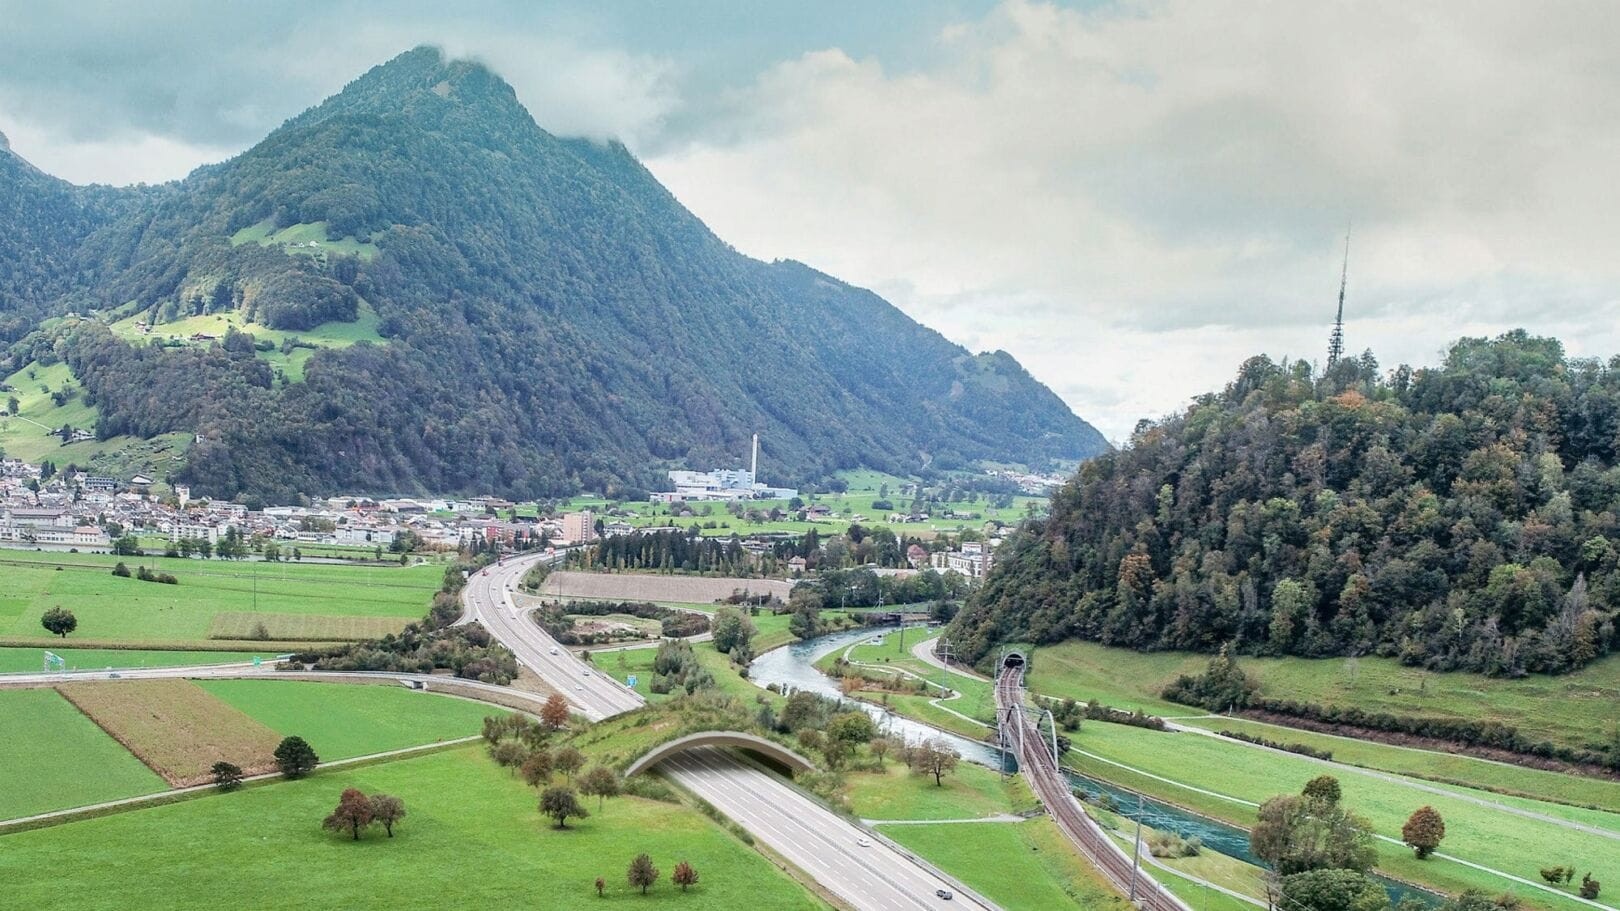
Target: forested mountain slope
point(1463, 516)
point(549, 318)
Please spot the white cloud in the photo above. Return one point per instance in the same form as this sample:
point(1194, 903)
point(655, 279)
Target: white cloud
point(1132, 201)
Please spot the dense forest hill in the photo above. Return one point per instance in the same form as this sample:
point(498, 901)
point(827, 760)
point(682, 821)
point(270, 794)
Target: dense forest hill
point(1463, 516)
point(546, 316)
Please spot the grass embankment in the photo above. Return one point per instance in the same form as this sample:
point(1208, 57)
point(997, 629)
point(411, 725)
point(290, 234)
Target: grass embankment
point(1245, 776)
point(52, 756)
point(115, 610)
point(265, 846)
point(1024, 864)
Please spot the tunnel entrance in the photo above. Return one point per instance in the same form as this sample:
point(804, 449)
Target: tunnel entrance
point(1012, 660)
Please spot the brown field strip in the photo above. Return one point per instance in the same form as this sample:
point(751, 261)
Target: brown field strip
point(242, 625)
point(176, 727)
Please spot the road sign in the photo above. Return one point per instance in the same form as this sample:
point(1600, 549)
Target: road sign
point(631, 681)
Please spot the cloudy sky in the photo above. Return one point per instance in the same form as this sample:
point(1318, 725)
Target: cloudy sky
point(1129, 197)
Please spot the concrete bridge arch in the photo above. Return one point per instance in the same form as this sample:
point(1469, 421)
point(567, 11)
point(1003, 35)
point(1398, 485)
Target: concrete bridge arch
point(770, 749)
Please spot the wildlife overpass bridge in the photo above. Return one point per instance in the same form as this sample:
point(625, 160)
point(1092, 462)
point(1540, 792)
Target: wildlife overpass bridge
point(770, 749)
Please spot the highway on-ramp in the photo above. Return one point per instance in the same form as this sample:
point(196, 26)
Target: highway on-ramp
point(487, 599)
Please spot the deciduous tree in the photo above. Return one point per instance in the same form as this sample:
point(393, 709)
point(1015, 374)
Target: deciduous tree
point(599, 782)
point(1423, 831)
point(388, 810)
point(554, 714)
point(934, 758)
point(537, 768)
point(642, 873)
point(683, 875)
point(60, 621)
point(567, 761)
point(353, 813)
point(559, 803)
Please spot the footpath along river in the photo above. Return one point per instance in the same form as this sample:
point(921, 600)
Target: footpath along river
point(793, 667)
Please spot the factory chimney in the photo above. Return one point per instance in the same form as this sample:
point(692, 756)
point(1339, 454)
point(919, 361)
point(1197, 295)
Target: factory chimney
point(753, 463)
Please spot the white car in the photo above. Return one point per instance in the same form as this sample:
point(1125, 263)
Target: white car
point(864, 842)
point(587, 673)
point(554, 650)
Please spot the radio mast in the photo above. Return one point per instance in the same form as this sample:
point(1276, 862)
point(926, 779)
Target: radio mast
point(1336, 340)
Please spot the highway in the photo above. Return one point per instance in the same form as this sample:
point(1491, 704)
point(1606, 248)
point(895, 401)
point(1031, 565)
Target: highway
point(487, 599)
point(876, 877)
point(873, 877)
point(1036, 763)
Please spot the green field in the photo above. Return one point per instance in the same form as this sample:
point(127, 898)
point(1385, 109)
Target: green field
point(343, 720)
point(472, 839)
point(291, 363)
point(29, 435)
point(52, 756)
point(1440, 767)
point(847, 508)
point(1244, 775)
point(1017, 865)
point(971, 792)
point(298, 239)
point(29, 660)
point(1572, 709)
point(111, 609)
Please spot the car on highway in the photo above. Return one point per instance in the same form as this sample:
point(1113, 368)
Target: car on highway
point(554, 650)
point(864, 842)
point(944, 894)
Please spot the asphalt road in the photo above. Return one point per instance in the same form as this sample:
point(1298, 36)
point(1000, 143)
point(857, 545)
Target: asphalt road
point(487, 598)
point(874, 877)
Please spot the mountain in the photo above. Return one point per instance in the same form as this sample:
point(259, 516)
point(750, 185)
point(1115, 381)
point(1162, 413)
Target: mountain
point(428, 292)
point(1465, 516)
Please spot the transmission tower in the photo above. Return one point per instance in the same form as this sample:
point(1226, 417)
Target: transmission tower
point(1336, 340)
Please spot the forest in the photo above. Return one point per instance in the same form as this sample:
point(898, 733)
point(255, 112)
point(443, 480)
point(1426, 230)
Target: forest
point(551, 319)
point(1462, 516)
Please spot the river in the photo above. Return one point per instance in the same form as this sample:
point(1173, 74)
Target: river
point(792, 667)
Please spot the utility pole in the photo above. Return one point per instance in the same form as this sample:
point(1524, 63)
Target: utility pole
point(1136, 855)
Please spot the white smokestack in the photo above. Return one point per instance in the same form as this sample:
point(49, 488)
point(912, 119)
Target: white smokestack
point(753, 464)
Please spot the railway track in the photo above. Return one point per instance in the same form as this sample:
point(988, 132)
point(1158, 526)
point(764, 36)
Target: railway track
point(1052, 787)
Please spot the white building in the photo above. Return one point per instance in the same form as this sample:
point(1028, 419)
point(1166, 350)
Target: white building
point(723, 484)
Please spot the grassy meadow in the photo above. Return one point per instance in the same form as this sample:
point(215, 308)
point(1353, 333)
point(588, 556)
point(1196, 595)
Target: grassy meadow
point(854, 505)
point(265, 846)
point(126, 611)
point(1227, 779)
point(52, 757)
point(30, 434)
point(1573, 709)
point(1019, 865)
point(343, 720)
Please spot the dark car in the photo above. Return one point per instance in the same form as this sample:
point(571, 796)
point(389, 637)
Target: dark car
point(944, 893)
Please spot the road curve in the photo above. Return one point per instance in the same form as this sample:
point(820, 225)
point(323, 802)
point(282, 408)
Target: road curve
point(487, 599)
point(873, 877)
